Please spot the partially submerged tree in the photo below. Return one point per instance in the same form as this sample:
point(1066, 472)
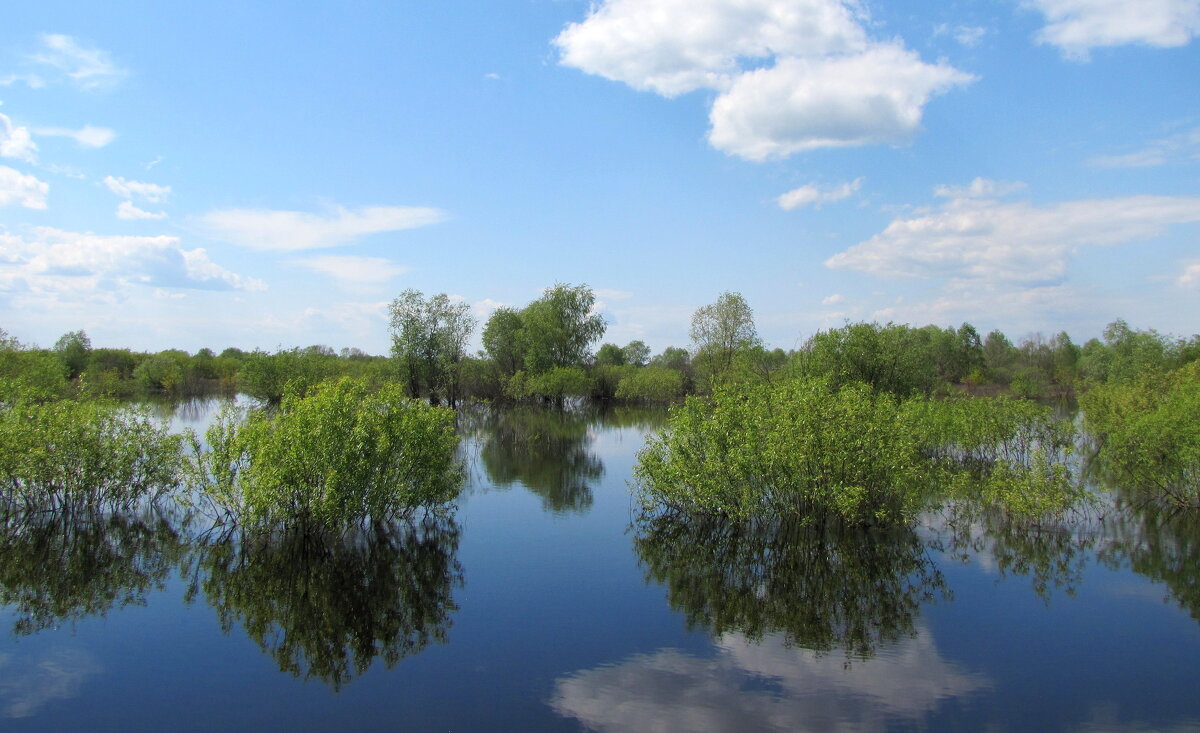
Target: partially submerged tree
point(429, 340)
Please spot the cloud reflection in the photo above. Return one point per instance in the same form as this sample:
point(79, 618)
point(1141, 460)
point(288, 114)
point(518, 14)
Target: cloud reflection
point(765, 686)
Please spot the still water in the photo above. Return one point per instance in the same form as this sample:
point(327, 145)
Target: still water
point(543, 602)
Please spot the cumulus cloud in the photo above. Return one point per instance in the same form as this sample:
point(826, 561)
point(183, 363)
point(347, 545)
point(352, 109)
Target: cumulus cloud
point(791, 75)
point(812, 194)
point(1190, 276)
point(965, 35)
point(126, 210)
point(1017, 243)
point(87, 136)
point(16, 142)
point(86, 67)
point(151, 192)
point(354, 271)
point(672, 690)
point(19, 189)
point(832, 299)
point(262, 229)
point(59, 260)
point(1077, 26)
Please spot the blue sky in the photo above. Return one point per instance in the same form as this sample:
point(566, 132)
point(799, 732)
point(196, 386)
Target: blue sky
point(182, 175)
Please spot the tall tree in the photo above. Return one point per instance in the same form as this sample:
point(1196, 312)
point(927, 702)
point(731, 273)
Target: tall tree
point(722, 329)
point(560, 327)
point(503, 339)
point(74, 348)
point(429, 339)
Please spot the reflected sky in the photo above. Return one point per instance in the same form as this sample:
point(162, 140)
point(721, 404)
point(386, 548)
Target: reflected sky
point(30, 681)
point(764, 686)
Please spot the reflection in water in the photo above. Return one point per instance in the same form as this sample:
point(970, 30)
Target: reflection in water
point(547, 451)
point(26, 684)
point(54, 570)
point(1053, 554)
point(821, 585)
point(325, 604)
point(1162, 545)
point(764, 685)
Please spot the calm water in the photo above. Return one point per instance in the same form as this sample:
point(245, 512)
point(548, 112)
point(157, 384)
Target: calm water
point(542, 603)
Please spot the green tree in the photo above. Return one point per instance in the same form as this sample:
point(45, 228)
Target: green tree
point(721, 329)
point(610, 355)
point(637, 353)
point(73, 349)
point(429, 340)
point(560, 327)
point(504, 340)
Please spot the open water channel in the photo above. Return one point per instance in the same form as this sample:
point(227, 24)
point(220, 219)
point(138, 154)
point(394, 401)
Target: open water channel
point(541, 603)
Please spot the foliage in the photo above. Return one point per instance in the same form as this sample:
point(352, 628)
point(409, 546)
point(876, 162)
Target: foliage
point(84, 456)
point(36, 376)
point(636, 353)
point(823, 585)
point(719, 331)
point(560, 327)
point(503, 339)
point(73, 349)
point(326, 604)
point(610, 355)
point(802, 447)
point(338, 454)
point(56, 570)
point(1003, 453)
point(651, 384)
point(270, 376)
point(429, 340)
point(891, 358)
point(1149, 434)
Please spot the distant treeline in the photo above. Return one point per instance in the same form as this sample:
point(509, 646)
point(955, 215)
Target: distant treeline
point(552, 350)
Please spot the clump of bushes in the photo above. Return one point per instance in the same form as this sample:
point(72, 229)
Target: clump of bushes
point(337, 454)
point(814, 448)
point(1148, 433)
point(799, 447)
point(77, 456)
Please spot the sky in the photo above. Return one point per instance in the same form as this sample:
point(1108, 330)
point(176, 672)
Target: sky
point(270, 175)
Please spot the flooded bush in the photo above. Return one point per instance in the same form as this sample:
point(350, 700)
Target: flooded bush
point(1148, 433)
point(339, 453)
point(801, 447)
point(70, 456)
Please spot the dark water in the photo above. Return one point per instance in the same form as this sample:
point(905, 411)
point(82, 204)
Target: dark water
point(543, 604)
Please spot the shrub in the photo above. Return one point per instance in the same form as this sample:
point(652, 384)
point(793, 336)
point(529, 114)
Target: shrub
point(651, 384)
point(341, 453)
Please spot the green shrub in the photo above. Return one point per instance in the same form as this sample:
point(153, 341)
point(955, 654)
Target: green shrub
point(651, 384)
point(801, 447)
point(1148, 432)
point(340, 453)
point(84, 455)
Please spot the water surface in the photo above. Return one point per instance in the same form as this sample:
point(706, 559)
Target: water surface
point(543, 603)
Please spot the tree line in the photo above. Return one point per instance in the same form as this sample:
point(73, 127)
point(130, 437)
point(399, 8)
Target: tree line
point(552, 350)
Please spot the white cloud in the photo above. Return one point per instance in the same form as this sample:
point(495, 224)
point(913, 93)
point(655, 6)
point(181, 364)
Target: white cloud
point(877, 96)
point(354, 271)
point(87, 136)
point(1190, 276)
point(980, 188)
point(965, 35)
point(16, 142)
point(1077, 26)
point(1181, 146)
point(1011, 242)
point(793, 75)
point(151, 192)
point(296, 230)
point(56, 260)
point(87, 68)
point(832, 299)
point(126, 210)
point(813, 194)
point(16, 188)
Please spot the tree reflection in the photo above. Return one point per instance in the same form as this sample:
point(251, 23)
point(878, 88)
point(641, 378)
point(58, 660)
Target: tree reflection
point(1053, 553)
point(325, 604)
point(822, 585)
point(545, 451)
point(1161, 544)
point(54, 570)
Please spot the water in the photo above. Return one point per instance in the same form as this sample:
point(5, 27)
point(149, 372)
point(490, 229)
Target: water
point(543, 604)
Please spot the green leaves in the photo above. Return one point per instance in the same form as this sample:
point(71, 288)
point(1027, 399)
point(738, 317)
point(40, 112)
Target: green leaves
point(339, 454)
